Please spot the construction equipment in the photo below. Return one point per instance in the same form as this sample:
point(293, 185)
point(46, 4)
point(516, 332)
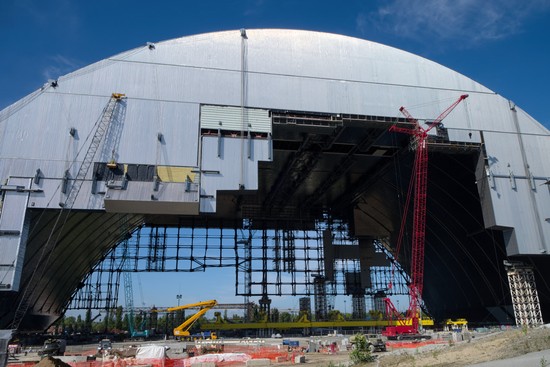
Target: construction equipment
point(71, 191)
point(419, 180)
point(374, 342)
point(182, 331)
point(457, 325)
point(53, 347)
point(129, 294)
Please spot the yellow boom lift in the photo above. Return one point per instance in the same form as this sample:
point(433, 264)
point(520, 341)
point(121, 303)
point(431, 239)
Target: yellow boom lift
point(182, 331)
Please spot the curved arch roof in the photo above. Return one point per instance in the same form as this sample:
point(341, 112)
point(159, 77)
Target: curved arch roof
point(309, 73)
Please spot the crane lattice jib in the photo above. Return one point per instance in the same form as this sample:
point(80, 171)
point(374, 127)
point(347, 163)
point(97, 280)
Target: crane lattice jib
point(101, 127)
point(420, 172)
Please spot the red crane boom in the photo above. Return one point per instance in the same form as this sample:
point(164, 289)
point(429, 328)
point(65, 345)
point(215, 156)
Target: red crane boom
point(420, 173)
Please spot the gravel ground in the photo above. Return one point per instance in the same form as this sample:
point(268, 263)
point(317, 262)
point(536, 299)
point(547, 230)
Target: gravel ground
point(494, 349)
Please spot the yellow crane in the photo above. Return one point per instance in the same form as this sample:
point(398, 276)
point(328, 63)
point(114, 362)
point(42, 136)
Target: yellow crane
point(182, 330)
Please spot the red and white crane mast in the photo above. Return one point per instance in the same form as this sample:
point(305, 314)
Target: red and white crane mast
point(420, 181)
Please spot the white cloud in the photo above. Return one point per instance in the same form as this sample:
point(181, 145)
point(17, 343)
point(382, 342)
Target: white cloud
point(59, 65)
point(468, 22)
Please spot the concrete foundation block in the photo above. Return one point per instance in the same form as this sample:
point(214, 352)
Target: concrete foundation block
point(258, 362)
point(299, 359)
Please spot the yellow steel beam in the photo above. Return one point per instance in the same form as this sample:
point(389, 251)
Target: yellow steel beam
point(301, 325)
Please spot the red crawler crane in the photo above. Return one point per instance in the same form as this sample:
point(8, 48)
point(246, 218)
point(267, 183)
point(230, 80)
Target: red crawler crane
point(420, 175)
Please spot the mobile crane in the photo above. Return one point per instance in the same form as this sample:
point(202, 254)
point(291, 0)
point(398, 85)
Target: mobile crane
point(182, 331)
point(419, 180)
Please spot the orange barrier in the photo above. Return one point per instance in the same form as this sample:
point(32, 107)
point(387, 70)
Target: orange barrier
point(272, 352)
point(414, 344)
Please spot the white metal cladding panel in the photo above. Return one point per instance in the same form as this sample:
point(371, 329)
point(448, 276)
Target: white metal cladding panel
point(158, 82)
point(202, 51)
point(334, 56)
point(235, 119)
point(170, 82)
point(311, 54)
point(40, 130)
point(542, 202)
point(325, 73)
point(529, 125)
point(13, 247)
point(40, 133)
point(142, 191)
point(515, 202)
point(179, 81)
point(537, 152)
point(27, 168)
point(504, 153)
point(230, 169)
point(480, 111)
point(513, 209)
point(177, 122)
point(464, 135)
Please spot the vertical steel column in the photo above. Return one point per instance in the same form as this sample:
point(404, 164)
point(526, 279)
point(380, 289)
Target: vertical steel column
point(320, 298)
point(359, 307)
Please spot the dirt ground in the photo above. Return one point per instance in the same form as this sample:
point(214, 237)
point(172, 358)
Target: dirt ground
point(481, 348)
point(494, 346)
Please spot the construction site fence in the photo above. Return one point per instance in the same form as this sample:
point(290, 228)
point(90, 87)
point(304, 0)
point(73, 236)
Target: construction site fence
point(232, 355)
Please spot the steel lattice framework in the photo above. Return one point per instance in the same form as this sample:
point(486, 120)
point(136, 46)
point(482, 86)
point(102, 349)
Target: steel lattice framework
point(267, 261)
point(524, 294)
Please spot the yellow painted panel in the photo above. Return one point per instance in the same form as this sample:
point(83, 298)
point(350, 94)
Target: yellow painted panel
point(175, 174)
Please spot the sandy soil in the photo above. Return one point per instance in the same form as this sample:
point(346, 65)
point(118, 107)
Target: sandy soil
point(489, 347)
point(494, 346)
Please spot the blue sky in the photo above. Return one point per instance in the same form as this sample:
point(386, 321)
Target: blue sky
point(504, 45)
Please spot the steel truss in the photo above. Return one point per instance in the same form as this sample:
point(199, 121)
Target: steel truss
point(270, 259)
point(523, 290)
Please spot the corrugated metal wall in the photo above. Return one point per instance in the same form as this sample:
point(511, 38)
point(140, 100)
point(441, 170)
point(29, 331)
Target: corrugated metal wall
point(229, 118)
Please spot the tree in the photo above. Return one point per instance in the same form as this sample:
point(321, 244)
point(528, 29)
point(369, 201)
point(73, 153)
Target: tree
point(360, 352)
point(138, 319)
point(79, 324)
point(106, 321)
point(275, 315)
point(335, 315)
point(376, 315)
point(88, 321)
point(118, 318)
point(70, 324)
point(285, 317)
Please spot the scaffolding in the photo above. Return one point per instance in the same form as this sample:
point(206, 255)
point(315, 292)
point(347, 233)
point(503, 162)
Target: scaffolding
point(269, 259)
point(524, 294)
point(320, 298)
point(358, 306)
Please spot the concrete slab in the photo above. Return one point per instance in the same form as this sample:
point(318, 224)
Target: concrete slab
point(258, 362)
point(203, 364)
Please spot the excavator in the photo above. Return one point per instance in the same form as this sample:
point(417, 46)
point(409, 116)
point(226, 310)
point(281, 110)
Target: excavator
point(182, 331)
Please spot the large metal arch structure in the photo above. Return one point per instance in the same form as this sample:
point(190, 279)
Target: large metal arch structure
point(271, 126)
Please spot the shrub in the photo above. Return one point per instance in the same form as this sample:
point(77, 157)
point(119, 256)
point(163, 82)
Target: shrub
point(361, 353)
